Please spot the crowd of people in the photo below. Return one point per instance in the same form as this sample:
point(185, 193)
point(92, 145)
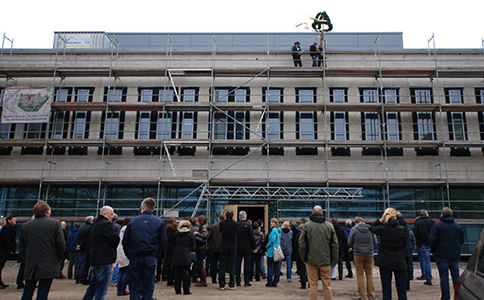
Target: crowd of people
point(144, 250)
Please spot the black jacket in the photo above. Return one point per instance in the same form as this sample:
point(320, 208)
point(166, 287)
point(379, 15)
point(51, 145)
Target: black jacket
point(342, 241)
point(184, 244)
point(104, 242)
point(229, 230)
point(42, 245)
point(421, 229)
point(84, 238)
point(170, 245)
point(245, 238)
point(7, 239)
point(393, 239)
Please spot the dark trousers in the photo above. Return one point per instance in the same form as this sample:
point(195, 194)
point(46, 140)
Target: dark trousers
point(348, 258)
point(227, 264)
point(182, 274)
point(214, 266)
point(340, 267)
point(20, 274)
point(400, 282)
point(297, 60)
point(3, 260)
point(301, 266)
point(83, 269)
point(247, 269)
point(42, 291)
point(409, 270)
point(256, 260)
point(73, 264)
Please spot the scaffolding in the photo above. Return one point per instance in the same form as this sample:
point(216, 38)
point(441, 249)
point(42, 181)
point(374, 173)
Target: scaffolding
point(213, 186)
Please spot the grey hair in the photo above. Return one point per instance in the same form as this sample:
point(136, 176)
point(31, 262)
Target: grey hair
point(242, 214)
point(348, 222)
point(89, 219)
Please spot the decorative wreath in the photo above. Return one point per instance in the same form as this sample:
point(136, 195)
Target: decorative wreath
point(321, 19)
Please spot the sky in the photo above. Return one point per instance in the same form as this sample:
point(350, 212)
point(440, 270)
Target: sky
point(453, 24)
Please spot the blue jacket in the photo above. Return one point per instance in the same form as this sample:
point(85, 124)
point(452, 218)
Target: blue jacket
point(446, 237)
point(72, 240)
point(274, 241)
point(145, 236)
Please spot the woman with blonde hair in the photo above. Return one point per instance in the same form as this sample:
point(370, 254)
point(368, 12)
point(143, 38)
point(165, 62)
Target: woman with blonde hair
point(184, 244)
point(273, 268)
point(391, 259)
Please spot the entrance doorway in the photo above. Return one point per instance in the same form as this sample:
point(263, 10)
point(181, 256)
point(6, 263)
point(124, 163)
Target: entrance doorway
point(254, 212)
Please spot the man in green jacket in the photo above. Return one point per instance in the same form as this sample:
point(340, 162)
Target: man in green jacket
point(318, 247)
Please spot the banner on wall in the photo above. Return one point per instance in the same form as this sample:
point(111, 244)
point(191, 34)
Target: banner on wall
point(78, 41)
point(26, 105)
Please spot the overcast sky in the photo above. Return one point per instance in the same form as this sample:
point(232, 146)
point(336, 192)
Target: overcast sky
point(455, 24)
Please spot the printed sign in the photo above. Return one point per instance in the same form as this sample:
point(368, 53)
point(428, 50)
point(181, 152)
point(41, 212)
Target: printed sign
point(26, 105)
point(78, 41)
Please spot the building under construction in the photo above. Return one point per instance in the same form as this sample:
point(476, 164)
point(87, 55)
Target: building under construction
point(207, 122)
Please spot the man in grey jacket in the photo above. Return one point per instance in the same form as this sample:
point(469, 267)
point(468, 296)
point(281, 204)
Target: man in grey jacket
point(362, 243)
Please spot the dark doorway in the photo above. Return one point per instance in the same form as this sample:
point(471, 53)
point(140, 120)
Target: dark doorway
point(254, 213)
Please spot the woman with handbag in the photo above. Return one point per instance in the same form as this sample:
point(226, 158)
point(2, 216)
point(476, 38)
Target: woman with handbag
point(274, 241)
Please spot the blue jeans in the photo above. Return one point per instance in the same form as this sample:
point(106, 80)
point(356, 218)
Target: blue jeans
point(263, 266)
point(400, 282)
point(123, 279)
point(114, 278)
point(247, 257)
point(424, 258)
point(81, 267)
point(273, 277)
point(444, 265)
point(288, 266)
point(42, 292)
point(142, 277)
point(98, 287)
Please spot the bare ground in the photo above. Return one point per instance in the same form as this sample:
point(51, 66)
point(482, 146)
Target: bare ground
point(342, 290)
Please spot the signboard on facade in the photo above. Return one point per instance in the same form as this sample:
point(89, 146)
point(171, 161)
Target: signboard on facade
point(26, 104)
point(78, 41)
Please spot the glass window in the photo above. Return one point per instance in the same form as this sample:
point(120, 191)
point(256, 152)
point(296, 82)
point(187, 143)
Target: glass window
point(392, 118)
point(164, 119)
point(144, 117)
point(306, 121)
point(339, 118)
point(456, 120)
point(5, 129)
point(60, 119)
point(188, 118)
point(80, 127)
point(273, 119)
point(114, 120)
point(371, 120)
point(423, 121)
point(230, 125)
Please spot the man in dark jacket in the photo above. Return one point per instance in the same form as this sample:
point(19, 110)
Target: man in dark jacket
point(314, 52)
point(104, 242)
point(421, 229)
point(7, 244)
point(214, 245)
point(245, 247)
point(42, 245)
point(144, 239)
point(229, 230)
point(73, 252)
point(296, 54)
point(342, 244)
point(446, 238)
point(84, 248)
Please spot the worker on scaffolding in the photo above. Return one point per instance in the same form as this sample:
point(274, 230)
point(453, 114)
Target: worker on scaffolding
point(296, 54)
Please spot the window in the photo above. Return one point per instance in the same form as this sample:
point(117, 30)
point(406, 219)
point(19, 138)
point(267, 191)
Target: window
point(154, 125)
point(480, 115)
point(273, 120)
point(339, 122)
point(424, 121)
point(371, 125)
point(457, 122)
point(81, 121)
point(34, 131)
point(230, 125)
point(188, 121)
point(393, 122)
point(306, 121)
point(112, 122)
point(7, 130)
point(59, 121)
